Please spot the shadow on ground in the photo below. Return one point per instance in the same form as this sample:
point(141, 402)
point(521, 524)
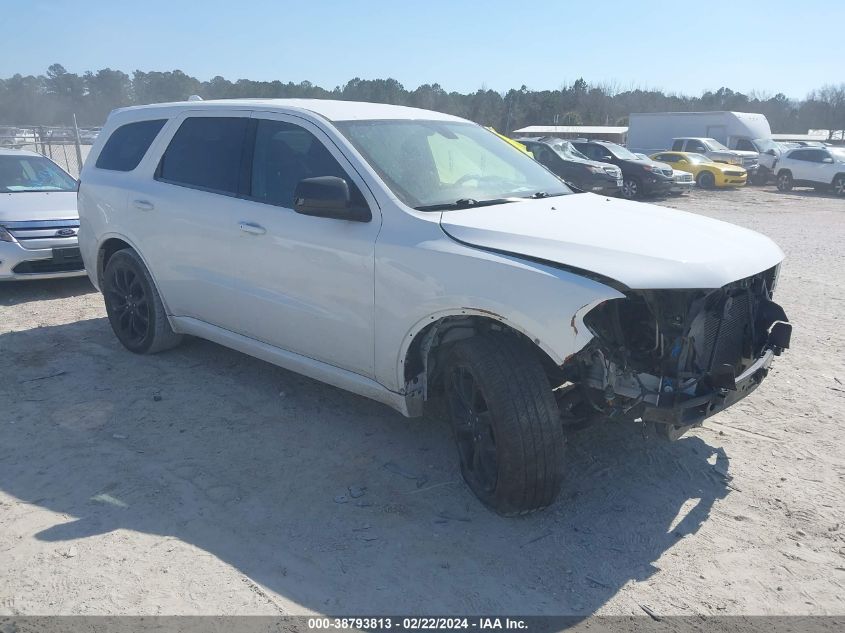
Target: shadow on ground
point(254, 465)
point(16, 292)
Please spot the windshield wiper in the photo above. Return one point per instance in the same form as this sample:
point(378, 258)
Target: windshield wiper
point(464, 203)
point(543, 194)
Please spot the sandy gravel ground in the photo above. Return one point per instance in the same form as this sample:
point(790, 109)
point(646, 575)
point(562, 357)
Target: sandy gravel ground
point(202, 481)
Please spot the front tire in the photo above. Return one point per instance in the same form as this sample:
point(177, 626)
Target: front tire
point(134, 307)
point(631, 188)
point(506, 423)
point(706, 180)
point(785, 181)
point(839, 185)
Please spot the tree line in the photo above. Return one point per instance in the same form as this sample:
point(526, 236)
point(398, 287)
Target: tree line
point(53, 98)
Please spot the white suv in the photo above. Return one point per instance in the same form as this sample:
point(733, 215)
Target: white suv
point(819, 167)
point(409, 255)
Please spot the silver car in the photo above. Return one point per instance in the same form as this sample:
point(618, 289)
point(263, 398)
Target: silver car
point(38, 218)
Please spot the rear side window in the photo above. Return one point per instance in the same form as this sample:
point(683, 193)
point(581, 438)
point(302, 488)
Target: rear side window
point(206, 153)
point(128, 144)
point(678, 145)
point(745, 145)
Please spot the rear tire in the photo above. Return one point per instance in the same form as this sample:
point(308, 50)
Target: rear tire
point(506, 423)
point(785, 182)
point(136, 312)
point(706, 180)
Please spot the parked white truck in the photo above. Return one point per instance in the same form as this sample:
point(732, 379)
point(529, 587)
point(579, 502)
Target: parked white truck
point(746, 134)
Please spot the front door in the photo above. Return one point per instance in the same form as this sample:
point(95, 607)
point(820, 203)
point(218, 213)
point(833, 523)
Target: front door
point(306, 284)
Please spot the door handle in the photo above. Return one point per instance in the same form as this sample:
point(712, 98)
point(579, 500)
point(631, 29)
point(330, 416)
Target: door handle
point(253, 229)
point(143, 205)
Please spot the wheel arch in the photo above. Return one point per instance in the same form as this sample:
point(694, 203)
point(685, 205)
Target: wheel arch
point(424, 342)
point(111, 244)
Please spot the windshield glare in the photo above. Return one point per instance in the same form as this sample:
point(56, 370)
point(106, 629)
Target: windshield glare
point(713, 145)
point(32, 173)
point(620, 152)
point(765, 144)
point(429, 163)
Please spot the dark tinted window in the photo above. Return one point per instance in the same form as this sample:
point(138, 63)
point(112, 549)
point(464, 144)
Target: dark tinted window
point(696, 146)
point(745, 145)
point(817, 155)
point(590, 151)
point(801, 154)
point(128, 144)
point(284, 155)
point(678, 145)
point(544, 155)
point(206, 153)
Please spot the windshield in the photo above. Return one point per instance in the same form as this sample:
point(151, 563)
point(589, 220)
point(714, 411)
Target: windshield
point(620, 152)
point(765, 144)
point(442, 163)
point(32, 173)
point(697, 159)
point(566, 150)
point(713, 145)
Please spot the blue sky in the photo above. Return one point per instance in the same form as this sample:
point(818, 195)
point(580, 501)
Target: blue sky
point(683, 47)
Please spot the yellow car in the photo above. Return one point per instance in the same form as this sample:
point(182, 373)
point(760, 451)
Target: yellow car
point(707, 173)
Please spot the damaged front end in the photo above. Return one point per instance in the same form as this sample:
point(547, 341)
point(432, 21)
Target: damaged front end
point(675, 357)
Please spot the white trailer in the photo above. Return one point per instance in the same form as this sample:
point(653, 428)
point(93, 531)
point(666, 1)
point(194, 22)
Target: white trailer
point(654, 131)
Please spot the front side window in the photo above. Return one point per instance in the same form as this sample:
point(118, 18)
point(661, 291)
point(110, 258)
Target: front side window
point(19, 174)
point(431, 164)
point(696, 146)
point(285, 154)
point(128, 144)
point(206, 153)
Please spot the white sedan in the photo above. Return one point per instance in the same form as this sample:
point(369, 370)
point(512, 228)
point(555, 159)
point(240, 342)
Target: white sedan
point(38, 218)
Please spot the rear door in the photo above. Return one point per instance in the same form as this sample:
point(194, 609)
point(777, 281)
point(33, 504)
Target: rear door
point(308, 283)
point(799, 164)
point(190, 212)
point(817, 169)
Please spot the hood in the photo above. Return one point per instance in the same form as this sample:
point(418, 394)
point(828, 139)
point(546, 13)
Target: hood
point(38, 205)
point(643, 246)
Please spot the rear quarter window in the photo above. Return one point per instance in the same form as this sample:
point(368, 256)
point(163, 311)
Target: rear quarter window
point(128, 144)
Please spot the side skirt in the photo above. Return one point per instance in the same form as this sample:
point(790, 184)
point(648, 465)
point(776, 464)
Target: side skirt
point(315, 369)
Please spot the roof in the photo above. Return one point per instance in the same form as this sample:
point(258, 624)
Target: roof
point(572, 129)
point(332, 110)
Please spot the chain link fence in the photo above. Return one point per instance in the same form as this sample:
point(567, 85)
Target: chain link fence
point(66, 146)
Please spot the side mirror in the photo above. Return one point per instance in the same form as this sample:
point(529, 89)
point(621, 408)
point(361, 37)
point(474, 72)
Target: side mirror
point(328, 197)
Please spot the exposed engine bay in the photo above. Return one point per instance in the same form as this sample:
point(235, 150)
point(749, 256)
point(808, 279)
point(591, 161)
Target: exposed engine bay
point(675, 357)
